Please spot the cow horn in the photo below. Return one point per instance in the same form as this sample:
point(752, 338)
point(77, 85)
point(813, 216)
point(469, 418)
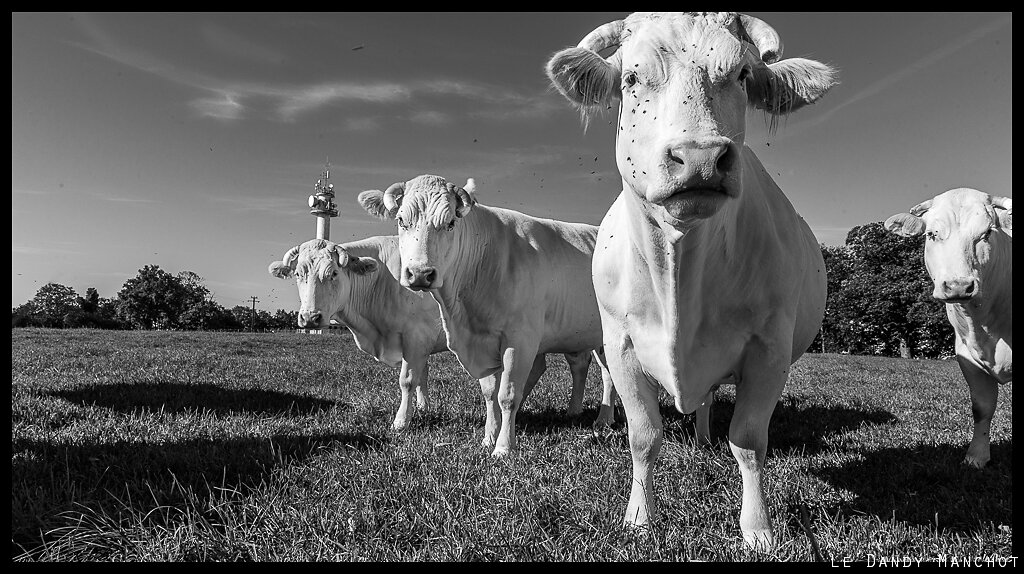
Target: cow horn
point(764, 37)
point(343, 255)
point(604, 36)
point(465, 200)
point(919, 209)
point(290, 256)
point(393, 197)
point(1003, 202)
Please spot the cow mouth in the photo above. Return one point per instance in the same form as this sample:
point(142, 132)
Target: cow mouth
point(694, 203)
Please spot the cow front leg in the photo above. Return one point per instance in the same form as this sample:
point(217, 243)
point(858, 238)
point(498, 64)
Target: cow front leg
point(517, 361)
point(606, 415)
point(984, 393)
point(413, 371)
point(579, 365)
point(489, 390)
point(756, 395)
point(639, 396)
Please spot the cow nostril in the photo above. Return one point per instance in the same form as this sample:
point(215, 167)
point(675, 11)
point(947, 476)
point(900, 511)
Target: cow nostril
point(726, 160)
point(430, 275)
point(969, 289)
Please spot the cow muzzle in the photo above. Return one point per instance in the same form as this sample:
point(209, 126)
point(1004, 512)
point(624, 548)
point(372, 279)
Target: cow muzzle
point(310, 319)
point(420, 278)
point(699, 164)
point(956, 290)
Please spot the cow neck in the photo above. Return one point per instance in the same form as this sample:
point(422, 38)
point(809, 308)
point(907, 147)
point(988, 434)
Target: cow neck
point(991, 315)
point(464, 289)
point(370, 309)
point(676, 259)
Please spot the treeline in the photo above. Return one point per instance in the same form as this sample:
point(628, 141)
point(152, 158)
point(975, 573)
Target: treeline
point(879, 299)
point(154, 299)
point(879, 302)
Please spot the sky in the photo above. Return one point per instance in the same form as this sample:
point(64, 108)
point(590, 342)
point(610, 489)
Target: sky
point(191, 141)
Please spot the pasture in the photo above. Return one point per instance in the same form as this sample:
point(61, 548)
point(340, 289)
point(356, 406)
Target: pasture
point(277, 447)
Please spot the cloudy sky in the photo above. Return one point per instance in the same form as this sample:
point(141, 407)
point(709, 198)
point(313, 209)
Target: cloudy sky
point(191, 141)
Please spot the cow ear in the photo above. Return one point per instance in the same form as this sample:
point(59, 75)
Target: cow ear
point(905, 224)
point(362, 265)
point(584, 77)
point(788, 85)
point(280, 270)
point(372, 201)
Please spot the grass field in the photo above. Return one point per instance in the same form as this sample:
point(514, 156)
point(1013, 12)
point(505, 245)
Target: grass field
point(236, 446)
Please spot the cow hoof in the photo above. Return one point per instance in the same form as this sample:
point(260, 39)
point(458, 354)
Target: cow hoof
point(574, 412)
point(399, 426)
point(975, 462)
point(759, 540)
point(605, 417)
point(500, 452)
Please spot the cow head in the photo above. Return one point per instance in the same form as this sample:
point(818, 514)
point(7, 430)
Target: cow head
point(967, 240)
point(683, 82)
point(427, 209)
point(324, 272)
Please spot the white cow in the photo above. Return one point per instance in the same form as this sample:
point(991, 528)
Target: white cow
point(509, 287)
point(704, 272)
point(968, 252)
point(387, 321)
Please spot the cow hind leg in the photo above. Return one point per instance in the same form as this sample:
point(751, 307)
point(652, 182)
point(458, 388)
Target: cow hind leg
point(540, 365)
point(984, 393)
point(579, 365)
point(703, 430)
point(606, 415)
point(489, 390)
point(422, 397)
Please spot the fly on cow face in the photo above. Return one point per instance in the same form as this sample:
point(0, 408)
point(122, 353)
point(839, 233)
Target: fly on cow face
point(428, 214)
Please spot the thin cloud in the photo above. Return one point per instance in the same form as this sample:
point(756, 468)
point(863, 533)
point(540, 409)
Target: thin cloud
point(234, 45)
point(895, 77)
point(362, 124)
point(42, 250)
point(431, 118)
point(226, 100)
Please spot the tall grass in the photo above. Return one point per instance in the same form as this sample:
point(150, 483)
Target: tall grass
point(235, 446)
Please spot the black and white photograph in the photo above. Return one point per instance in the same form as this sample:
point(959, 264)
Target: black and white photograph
point(512, 287)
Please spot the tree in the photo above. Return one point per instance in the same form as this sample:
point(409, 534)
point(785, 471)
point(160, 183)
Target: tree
point(89, 303)
point(24, 316)
point(52, 302)
point(153, 299)
point(285, 319)
point(879, 298)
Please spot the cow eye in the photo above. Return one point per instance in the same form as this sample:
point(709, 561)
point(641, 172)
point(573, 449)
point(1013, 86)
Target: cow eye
point(630, 78)
point(451, 225)
point(743, 75)
point(931, 235)
point(334, 275)
point(401, 222)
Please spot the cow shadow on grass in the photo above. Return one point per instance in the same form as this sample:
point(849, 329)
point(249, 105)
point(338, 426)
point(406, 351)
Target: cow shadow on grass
point(175, 397)
point(131, 478)
point(926, 483)
point(795, 425)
